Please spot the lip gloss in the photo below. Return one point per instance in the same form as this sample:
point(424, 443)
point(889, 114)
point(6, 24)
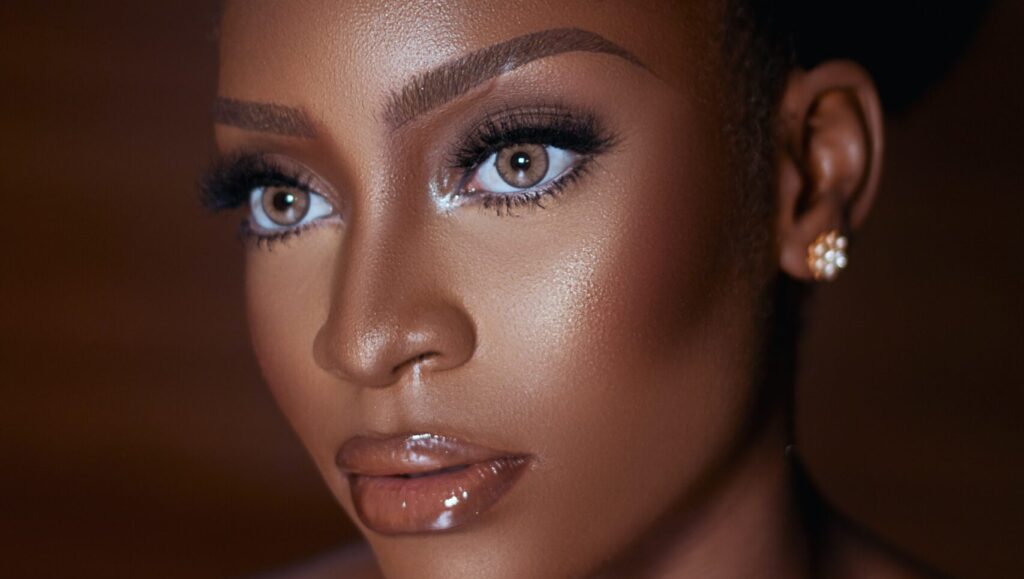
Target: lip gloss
point(424, 482)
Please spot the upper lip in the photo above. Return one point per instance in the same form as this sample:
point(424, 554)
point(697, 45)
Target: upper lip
point(406, 454)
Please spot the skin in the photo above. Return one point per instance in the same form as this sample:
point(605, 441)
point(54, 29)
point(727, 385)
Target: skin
point(613, 335)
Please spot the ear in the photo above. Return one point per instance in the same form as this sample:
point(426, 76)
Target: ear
point(829, 159)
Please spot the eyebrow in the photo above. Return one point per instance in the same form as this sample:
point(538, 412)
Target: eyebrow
point(451, 79)
point(263, 117)
point(430, 89)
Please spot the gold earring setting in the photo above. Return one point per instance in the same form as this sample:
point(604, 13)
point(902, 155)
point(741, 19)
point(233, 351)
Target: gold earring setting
point(827, 255)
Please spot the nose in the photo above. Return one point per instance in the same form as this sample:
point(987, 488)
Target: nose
point(390, 310)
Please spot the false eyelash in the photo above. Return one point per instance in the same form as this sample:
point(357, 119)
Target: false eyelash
point(557, 126)
point(228, 183)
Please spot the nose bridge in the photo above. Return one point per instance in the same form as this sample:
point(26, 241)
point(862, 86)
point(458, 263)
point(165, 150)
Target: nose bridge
point(388, 310)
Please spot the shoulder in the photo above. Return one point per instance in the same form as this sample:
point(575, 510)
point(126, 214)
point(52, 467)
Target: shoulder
point(348, 562)
point(854, 553)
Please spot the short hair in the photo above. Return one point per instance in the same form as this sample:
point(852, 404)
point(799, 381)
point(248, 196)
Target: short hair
point(906, 46)
point(763, 41)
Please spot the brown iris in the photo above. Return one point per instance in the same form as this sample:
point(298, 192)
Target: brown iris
point(285, 205)
point(522, 166)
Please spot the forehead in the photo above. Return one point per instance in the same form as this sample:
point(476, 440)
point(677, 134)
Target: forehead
point(326, 54)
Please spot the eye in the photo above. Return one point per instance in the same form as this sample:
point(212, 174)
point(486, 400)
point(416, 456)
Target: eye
point(515, 168)
point(279, 208)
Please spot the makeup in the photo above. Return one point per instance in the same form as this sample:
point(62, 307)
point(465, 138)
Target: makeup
point(451, 79)
point(570, 137)
point(425, 482)
point(263, 117)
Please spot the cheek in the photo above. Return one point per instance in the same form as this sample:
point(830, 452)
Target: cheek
point(635, 279)
point(286, 293)
point(630, 338)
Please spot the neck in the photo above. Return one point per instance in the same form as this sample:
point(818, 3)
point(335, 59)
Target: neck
point(750, 525)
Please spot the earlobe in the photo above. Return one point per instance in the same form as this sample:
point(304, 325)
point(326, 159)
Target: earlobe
point(829, 160)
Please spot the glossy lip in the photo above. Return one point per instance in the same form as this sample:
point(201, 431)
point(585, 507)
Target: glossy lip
point(424, 482)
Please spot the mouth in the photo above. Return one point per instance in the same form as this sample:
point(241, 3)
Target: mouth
point(425, 482)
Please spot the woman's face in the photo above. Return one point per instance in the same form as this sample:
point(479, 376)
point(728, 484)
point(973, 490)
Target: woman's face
point(529, 250)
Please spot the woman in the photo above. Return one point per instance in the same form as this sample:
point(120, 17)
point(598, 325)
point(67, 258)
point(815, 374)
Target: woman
point(521, 276)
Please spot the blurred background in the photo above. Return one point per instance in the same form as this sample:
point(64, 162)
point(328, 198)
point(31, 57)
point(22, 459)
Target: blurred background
point(136, 436)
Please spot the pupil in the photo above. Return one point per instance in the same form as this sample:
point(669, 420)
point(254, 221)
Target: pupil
point(520, 161)
point(283, 201)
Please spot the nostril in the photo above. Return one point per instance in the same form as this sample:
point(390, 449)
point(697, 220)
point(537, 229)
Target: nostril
point(413, 361)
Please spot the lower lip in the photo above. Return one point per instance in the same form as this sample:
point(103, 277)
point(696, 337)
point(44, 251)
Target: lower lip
point(434, 501)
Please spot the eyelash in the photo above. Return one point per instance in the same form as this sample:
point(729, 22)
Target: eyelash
point(578, 132)
point(228, 184)
point(230, 181)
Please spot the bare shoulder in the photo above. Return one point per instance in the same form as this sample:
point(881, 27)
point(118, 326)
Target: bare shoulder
point(348, 562)
point(856, 554)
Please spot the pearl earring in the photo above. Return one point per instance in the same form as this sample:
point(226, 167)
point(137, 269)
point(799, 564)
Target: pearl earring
point(827, 255)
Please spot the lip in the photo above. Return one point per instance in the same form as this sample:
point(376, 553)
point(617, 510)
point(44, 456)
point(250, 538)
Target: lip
point(425, 482)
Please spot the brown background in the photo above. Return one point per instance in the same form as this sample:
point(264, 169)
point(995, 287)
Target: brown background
point(136, 439)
